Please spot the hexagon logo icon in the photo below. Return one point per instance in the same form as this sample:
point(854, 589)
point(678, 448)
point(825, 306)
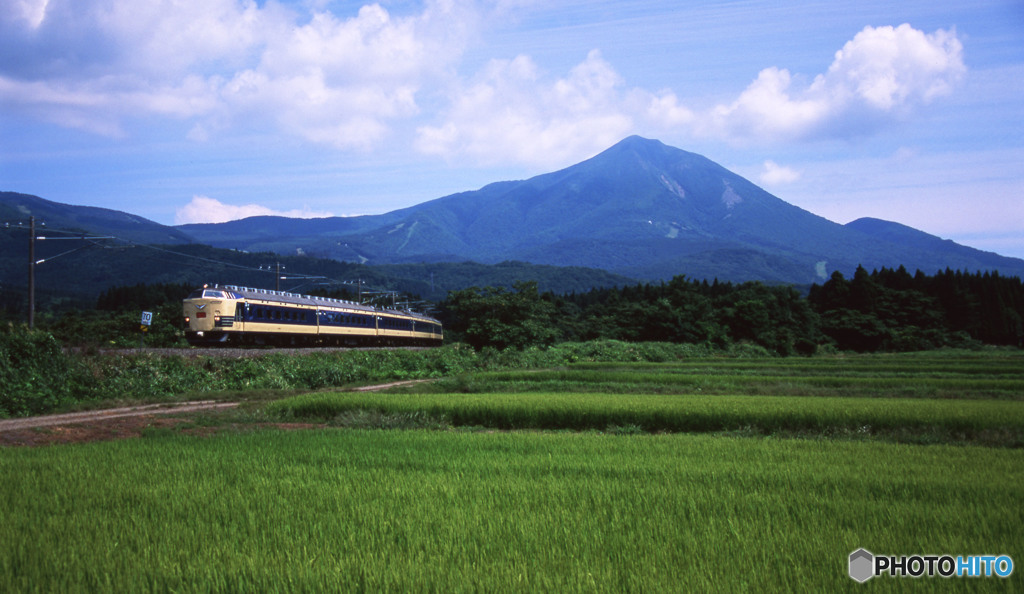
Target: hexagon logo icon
point(861, 565)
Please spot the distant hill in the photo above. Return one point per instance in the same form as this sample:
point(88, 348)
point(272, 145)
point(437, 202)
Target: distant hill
point(945, 253)
point(640, 209)
point(74, 273)
point(15, 207)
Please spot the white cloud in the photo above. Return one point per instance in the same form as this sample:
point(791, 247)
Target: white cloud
point(665, 110)
point(31, 12)
point(226, 65)
point(880, 75)
point(349, 80)
point(774, 174)
point(513, 113)
point(203, 209)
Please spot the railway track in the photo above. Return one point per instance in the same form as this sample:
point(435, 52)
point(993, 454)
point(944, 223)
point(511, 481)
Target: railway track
point(234, 352)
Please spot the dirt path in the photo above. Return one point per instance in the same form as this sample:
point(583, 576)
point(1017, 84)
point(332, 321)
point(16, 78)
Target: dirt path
point(379, 387)
point(117, 423)
point(111, 413)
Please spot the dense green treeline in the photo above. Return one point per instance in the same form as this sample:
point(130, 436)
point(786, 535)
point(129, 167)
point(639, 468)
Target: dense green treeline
point(892, 310)
point(885, 310)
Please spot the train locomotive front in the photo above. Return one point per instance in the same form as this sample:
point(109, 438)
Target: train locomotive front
point(245, 316)
point(210, 316)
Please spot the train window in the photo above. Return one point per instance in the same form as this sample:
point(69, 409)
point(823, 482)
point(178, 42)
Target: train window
point(197, 294)
point(277, 315)
point(211, 294)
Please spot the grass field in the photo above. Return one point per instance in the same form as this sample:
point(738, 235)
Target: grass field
point(667, 490)
point(434, 511)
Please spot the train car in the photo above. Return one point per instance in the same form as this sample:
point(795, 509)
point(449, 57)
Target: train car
point(244, 316)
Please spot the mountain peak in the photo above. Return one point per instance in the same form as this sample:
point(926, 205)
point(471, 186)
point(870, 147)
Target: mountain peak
point(636, 141)
point(646, 148)
point(640, 208)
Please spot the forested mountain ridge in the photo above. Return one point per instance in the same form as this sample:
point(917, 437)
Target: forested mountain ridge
point(641, 209)
point(17, 208)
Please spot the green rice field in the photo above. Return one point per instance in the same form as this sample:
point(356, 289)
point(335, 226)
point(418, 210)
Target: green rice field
point(523, 481)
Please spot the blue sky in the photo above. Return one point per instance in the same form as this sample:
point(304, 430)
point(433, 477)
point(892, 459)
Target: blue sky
point(206, 110)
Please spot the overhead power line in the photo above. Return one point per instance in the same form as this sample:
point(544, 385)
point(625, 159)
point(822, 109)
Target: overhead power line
point(95, 241)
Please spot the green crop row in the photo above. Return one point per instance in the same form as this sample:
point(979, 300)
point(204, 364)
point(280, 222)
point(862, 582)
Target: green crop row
point(762, 383)
point(1003, 364)
point(423, 511)
point(971, 421)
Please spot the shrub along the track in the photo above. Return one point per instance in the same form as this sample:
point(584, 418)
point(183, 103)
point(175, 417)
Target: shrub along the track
point(38, 377)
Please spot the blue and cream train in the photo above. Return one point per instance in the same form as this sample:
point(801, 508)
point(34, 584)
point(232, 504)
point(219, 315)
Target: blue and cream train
point(243, 316)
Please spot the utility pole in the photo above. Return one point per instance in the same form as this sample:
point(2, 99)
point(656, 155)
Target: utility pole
point(31, 272)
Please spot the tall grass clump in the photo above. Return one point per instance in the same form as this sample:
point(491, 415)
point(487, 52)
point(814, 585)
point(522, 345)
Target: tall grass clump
point(35, 375)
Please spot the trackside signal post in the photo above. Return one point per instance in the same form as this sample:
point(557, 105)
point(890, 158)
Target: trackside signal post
point(144, 324)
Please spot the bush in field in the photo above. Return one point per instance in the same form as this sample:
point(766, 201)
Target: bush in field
point(616, 351)
point(34, 372)
point(36, 376)
point(746, 350)
point(497, 318)
point(120, 329)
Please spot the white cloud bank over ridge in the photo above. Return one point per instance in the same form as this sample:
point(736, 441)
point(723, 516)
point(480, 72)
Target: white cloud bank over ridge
point(882, 74)
point(512, 112)
point(203, 209)
point(227, 67)
point(774, 174)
